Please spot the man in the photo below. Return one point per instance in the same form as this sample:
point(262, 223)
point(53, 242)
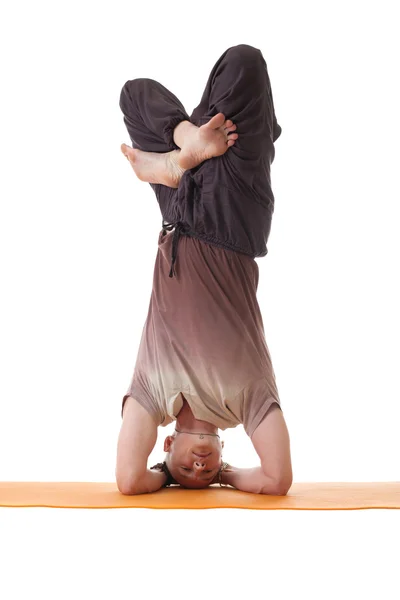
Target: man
point(203, 360)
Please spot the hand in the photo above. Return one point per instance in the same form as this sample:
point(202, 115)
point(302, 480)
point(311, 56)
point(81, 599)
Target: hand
point(216, 478)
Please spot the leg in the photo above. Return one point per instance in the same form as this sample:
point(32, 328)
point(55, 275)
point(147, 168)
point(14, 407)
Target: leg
point(229, 198)
point(239, 86)
point(151, 113)
point(155, 119)
point(158, 124)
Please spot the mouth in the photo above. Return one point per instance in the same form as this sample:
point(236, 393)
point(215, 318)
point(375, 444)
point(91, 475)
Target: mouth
point(202, 455)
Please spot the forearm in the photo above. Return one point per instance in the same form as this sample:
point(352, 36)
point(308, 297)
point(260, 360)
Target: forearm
point(251, 480)
point(150, 482)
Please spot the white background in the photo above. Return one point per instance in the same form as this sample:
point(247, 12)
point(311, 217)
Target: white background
point(78, 240)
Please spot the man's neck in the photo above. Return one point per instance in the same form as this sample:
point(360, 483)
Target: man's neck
point(186, 421)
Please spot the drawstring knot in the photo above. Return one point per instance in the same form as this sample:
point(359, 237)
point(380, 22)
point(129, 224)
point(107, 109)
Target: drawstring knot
point(179, 228)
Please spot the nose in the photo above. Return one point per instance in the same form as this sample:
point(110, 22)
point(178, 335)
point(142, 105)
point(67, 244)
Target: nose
point(199, 465)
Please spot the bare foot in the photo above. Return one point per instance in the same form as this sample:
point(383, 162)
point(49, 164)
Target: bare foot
point(201, 143)
point(155, 167)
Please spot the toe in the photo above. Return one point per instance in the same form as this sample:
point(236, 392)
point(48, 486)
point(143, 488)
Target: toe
point(130, 153)
point(126, 150)
point(217, 121)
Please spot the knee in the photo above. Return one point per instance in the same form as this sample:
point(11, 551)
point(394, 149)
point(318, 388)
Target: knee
point(138, 83)
point(243, 53)
point(133, 87)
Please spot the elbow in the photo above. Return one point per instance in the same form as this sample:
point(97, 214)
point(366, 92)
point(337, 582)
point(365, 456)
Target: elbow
point(132, 490)
point(279, 488)
point(129, 486)
point(127, 491)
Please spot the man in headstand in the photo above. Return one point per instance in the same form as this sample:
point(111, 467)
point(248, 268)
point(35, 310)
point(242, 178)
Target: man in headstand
point(203, 360)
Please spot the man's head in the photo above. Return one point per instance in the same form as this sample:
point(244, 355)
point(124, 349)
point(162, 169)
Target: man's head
point(193, 461)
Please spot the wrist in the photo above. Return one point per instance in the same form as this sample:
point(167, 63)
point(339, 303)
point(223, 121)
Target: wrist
point(225, 474)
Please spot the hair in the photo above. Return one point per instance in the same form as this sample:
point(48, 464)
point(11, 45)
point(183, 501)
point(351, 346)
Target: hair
point(163, 467)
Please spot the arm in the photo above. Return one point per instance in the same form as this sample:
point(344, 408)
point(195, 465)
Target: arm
point(149, 482)
point(251, 480)
point(272, 443)
point(136, 441)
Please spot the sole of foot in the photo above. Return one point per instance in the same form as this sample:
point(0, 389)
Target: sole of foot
point(154, 167)
point(211, 139)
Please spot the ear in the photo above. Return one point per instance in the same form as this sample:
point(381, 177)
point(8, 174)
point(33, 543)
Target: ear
point(167, 443)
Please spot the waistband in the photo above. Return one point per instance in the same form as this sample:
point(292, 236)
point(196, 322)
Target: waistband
point(179, 230)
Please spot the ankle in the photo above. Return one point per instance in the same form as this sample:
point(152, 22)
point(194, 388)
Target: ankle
point(181, 131)
point(176, 169)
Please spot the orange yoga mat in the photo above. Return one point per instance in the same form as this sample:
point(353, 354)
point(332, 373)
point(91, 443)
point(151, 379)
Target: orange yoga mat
point(301, 496)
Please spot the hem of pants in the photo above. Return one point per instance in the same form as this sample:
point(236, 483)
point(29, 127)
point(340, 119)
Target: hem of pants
point(210, 239)
point(168, 131)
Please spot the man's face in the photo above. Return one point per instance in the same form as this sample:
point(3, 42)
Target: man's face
point(193, 462)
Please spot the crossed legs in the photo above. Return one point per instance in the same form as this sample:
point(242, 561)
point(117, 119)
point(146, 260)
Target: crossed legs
point(237, 94)
point(196, 144)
